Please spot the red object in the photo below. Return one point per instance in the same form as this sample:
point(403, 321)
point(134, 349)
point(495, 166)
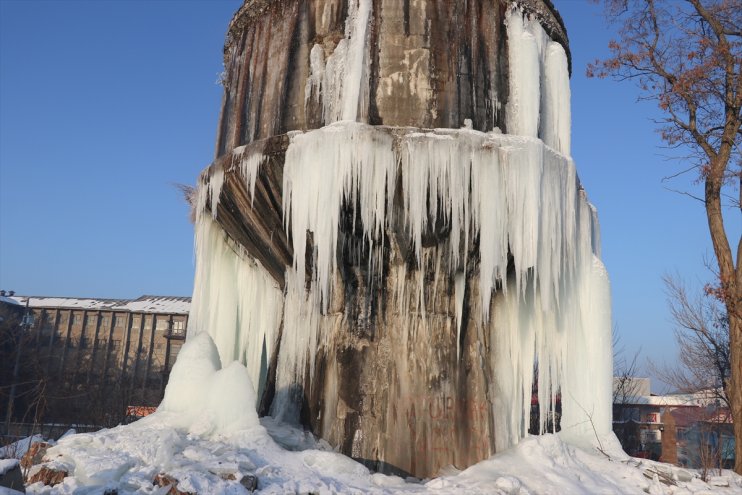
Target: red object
point(140, 411)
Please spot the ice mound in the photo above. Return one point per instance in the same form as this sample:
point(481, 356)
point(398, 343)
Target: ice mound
point(203, 397)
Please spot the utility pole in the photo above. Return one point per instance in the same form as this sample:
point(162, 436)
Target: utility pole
point(26, 324)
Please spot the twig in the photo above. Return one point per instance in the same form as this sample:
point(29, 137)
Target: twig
point(664, 478)
point(592, 424)
point(685, 193)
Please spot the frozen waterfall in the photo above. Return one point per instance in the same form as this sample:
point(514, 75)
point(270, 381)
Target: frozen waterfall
point(511, 205)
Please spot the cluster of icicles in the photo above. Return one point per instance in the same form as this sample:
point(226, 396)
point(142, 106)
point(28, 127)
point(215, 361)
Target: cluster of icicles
point(514, 193)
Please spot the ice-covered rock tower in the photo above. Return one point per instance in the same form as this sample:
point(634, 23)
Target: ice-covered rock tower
point(393, 237)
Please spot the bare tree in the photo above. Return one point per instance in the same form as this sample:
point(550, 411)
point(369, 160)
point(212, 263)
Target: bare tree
point(626, 387)
point(625, 371)
point(686, 55)
point(710, 447)
point(702, 337)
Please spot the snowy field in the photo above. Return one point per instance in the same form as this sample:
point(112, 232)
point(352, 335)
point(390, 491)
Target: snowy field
point(206, 431)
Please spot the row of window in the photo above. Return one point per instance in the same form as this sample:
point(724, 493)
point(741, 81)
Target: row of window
point(86, 341)
point(178, 325)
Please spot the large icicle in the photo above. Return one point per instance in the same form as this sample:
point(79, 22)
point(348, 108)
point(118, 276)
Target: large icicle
point(555, 128)
point(234, 300)
point(512, 193)
point(342, 78)
point(299, 342)
point(355, 83)
point(325, 168)
point(524, 61)
point(249, 162)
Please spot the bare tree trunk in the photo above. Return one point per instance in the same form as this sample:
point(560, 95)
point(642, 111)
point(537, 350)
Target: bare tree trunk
point(729, 291)
point(735, 386)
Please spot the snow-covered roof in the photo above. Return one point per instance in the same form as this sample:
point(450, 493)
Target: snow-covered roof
point(143, 304)
point(698, 399)
point(9, 300)
point(158, 304)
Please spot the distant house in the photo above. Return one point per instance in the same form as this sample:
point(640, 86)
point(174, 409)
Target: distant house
point(100, 356)
point(704, 435)
point(673, 428)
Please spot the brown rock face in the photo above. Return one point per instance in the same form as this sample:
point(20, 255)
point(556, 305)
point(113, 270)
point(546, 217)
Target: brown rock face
point(433, 64)
point(405, 402)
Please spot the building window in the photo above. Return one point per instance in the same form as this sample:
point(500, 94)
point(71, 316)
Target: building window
point(104, 321)
point(77, 319)
point(119, 320)
point(49, 321)
point(178, 327)
point(135, 322)
point(162, 324)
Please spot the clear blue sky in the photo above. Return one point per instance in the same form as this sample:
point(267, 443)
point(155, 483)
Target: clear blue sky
point(104, 105)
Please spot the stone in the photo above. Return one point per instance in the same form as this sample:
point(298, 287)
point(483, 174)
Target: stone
point(683, 475)
point(163, 480)
point(13, 479)
point(34, 455)
point(250, 482)
point(48, 476)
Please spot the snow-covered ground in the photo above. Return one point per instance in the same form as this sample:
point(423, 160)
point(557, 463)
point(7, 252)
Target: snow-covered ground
point(128, 458)
point(206, 431)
